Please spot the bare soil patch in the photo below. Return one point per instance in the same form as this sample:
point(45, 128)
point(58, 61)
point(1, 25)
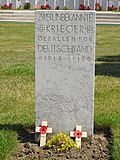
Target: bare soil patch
point(97, 149)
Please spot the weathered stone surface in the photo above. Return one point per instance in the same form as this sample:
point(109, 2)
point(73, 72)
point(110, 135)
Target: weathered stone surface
point(51, 3)
point(104, 5)
point(4, 2)
point(61, 4)
point(23, 3)
point(14, 4)
point(64, 69)
point(32, 3)
point(41, 2)
point(77, 4)
point(116, 4)
point(92, 4)
point(70, 4)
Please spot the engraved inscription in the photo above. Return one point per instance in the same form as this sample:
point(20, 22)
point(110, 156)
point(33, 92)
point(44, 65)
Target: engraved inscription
point(66, 17)
point(66, 39)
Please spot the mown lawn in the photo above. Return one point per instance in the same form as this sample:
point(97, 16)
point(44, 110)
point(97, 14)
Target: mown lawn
point(17, 84)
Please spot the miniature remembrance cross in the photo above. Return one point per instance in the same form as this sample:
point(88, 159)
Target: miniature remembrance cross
point(78, 134)
point(43, 130)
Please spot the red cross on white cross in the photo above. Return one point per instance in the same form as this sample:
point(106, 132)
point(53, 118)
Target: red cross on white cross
point(43, 130)
point(78, 135)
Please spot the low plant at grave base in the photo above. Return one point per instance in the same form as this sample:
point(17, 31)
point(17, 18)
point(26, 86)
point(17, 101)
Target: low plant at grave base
point(98, 7)
point(5, 6)
point(112, 8)
point(61, 142)
point(27, 6)
point(66, 8)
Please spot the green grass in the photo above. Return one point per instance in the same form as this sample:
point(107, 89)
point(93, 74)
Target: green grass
point(17, 84)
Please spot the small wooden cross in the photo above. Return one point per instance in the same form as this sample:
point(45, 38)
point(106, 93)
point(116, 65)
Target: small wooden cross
point(43, 130)
point(78, 135)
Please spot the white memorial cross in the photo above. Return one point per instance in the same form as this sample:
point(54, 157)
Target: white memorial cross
point(43, 130)
point(78, 135)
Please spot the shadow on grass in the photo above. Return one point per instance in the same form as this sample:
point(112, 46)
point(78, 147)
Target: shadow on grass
point(107, 131)
point(25, 134)
point(109, 66)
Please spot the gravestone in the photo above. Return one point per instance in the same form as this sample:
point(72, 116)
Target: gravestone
point(61, 4)
point(41, 2)
point(57, 3)
point(70, 4)
point(14, 4)
point(67, 3)
point(100, 2)
point(104, 5)
point(86, 3)
point(32, 3)
point(91, 5)
point(19, 3)
point(23, 3)
point(64, 69)
point(50, 3)
point(110, 3)
point(3, 2)
point(116, 4)
point(77, 4)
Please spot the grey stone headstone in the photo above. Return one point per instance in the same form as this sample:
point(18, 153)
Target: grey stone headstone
point(77, 4)
point(72, 4)
point(41, 2)
point(110, 3)
point(116, 4)
point(61, 4)
point(23, 3)
point(4, 2)
point(18, 3)
point(67, 2)
point(32, 4)
point(100, 2)
point(51, 3)
point(92, 4)
point(14, 4)
point(57, 3)
point(64, 69)
point(104, 5)
point(86, 3)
